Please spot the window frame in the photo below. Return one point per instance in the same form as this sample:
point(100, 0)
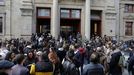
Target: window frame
point(75, 13)
point(38, 8)
point(127, 28)
point(70, 13)
point(3, 24)
point(2, 3)
point(65, 10)
point(129, 8)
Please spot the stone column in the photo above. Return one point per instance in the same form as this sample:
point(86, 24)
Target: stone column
point(55, 26)
point(8, 19)
point(117, 9)
point(33, 17)
point(87, 19)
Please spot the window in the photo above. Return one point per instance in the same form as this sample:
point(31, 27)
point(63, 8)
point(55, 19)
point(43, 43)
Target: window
point(1, 25)
point(70, 13)
point(126, 8)
point(129, 8)
point(75, 13)
point(128, 28)
point(44, 12)
point(2, 2)
point(65, 13)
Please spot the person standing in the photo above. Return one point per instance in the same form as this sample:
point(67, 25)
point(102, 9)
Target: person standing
point(94, 68)
point(19, 69)
point(131, 65)
point(116, 63)
point(5, 67)
point(54, 59)
point(43, 66)
point(68, 64)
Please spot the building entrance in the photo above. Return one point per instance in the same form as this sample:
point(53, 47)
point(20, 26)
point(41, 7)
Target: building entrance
point(95, 22)
point(70, 26)
point(43, 20)
point(70, 21)
point(43, 25)
point(95, 27)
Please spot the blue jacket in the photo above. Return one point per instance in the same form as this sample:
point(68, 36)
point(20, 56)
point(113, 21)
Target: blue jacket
point(93, 69)
point(19, 70)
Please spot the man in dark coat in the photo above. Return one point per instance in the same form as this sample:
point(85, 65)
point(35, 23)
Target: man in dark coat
point(94, 68)
point(131, 65)
point(69, 66)
point(44, 65)
point(115, 67)
point(19, 69)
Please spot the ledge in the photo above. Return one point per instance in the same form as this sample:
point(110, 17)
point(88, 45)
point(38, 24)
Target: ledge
point(26, 8)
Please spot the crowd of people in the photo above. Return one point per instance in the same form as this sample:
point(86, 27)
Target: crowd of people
point(70, 55)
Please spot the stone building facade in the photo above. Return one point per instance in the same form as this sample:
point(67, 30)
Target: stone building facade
point(126, 17)
point(21, 18)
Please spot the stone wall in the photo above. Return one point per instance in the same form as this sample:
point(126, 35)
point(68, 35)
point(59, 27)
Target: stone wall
point(21, 15)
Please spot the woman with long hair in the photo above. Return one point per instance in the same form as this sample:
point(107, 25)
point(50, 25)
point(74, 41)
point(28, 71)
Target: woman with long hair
point(57, 66)
point(10, 56)
point(30, 59)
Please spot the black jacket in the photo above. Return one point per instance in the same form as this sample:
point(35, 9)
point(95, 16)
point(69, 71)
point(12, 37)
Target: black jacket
point(70, 68)
point(115, 69)
point(43, 66)
point(131, 65)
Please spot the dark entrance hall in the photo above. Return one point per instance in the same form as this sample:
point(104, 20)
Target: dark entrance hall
point(96, 22)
